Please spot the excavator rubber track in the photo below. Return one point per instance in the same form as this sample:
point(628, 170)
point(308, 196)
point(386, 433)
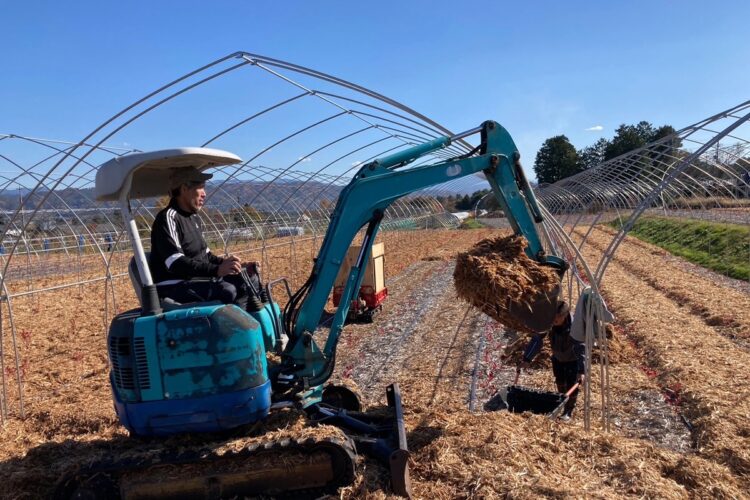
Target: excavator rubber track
point(284, 468)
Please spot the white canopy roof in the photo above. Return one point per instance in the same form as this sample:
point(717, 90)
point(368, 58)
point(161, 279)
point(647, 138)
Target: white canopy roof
point(151, 170)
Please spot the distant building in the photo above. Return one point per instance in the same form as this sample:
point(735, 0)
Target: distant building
point(290, 231)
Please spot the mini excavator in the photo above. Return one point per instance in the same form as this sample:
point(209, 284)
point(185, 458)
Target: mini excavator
point(200, 367)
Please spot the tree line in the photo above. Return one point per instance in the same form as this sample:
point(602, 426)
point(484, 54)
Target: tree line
point(558, 158)
point(466, 202)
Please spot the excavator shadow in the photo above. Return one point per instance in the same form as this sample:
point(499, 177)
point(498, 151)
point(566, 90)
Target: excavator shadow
point(423, 436)
point(34, 475)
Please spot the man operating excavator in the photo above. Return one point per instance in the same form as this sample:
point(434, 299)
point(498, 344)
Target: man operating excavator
point(183, 267)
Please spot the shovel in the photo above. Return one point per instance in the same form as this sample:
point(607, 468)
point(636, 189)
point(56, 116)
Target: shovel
point(559, 407)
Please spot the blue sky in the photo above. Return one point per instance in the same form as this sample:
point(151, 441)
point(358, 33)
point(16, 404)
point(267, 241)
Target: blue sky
point(541, 69)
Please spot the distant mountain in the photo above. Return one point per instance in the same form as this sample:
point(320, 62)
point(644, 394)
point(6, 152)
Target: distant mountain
point(287, 195)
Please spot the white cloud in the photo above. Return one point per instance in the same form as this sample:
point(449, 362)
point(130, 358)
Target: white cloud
point(595, 128)
point(356, 163)
point(304, 159)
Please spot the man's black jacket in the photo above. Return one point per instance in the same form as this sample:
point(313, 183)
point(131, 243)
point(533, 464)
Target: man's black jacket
point(178, 250)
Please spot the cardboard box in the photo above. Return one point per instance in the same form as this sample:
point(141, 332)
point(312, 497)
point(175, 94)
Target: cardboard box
point(374, 272)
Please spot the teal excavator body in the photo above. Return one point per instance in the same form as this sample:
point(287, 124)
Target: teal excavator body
point(202, 367)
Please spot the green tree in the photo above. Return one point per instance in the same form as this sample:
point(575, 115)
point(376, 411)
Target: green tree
point(555, 160)
point(667, 151)
point(630, 137)
point(463, 202)
point(593, 155)
point(477, 196)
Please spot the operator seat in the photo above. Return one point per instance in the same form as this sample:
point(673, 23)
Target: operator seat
point(135, 279)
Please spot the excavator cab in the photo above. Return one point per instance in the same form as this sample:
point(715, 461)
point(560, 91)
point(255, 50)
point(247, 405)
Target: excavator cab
point(159, 353)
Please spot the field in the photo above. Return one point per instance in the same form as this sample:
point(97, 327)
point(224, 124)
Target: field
point(681, 412)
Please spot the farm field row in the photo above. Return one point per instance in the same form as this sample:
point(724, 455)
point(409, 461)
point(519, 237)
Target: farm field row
point(689, 331)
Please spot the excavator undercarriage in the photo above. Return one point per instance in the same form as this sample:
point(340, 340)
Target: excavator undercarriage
point(292, 467)
point(304, 460)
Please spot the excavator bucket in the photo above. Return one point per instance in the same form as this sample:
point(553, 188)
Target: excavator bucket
point(381, 435)
point(540, 313)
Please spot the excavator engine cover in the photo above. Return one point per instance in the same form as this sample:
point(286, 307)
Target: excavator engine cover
point(199, 368)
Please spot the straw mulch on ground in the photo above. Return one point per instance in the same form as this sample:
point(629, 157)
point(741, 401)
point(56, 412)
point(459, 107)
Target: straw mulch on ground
point(62, 342)
point(696, 361)
point(496, 455)
point(432, 354)
point(457, 454)
point(704, 294)
point(497, 277)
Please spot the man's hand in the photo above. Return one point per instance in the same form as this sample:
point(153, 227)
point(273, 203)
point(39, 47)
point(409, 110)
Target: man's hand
point(230, 265)
point(581, 378)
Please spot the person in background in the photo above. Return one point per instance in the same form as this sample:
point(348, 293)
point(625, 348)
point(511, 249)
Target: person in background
point(183, 267)
point(568, 356)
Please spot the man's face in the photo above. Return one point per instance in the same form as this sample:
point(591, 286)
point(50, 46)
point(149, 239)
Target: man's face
point(192, 197)
point(560, 319)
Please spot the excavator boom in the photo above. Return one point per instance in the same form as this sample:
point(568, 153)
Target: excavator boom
point(363, 203)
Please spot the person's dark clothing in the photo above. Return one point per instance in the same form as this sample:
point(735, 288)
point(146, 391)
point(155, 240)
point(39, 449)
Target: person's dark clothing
point(566, 376)
point(228, 290)
point(568, 358)
point(564, 347)
point(182, 265)
point(178, 250)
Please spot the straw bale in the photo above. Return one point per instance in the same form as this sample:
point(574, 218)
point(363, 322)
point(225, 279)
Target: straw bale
point(497, 277)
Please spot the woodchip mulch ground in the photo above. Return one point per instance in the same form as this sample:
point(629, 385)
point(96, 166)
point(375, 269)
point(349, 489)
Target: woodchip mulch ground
point(458, 454)
point(61, 338)
point(706, 294)
point(670, 315)
point(437, 350)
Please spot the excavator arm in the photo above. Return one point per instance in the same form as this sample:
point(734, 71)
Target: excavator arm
point(362, 203)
